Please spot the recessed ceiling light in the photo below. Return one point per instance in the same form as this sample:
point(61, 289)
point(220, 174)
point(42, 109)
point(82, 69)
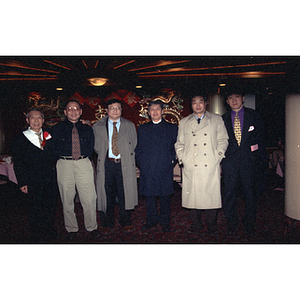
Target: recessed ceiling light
point(97, 81)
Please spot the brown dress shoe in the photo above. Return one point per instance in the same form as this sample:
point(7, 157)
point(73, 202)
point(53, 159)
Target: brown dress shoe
point(106, 230)
point(128, 228)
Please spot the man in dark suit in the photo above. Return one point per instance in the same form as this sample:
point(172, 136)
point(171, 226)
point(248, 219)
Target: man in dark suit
point(35, 172)
point(243, 159)
point(155, 156)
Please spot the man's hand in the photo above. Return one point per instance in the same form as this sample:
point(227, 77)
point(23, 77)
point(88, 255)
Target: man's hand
point(24, 189)
point(88, 122)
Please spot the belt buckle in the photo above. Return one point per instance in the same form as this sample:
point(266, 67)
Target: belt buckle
point(117, 160)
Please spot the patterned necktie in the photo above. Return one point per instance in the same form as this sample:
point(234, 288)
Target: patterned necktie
point(237, 129)
point(75, 144)
point(114, 139)
point(40, 139)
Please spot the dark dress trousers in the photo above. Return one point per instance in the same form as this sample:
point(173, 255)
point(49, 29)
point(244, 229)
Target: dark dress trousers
point(35, 168)
point(156, 156)
point(242, 165)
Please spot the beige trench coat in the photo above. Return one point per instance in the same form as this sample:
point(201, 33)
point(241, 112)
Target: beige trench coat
point(127, 140)
point(200, 148)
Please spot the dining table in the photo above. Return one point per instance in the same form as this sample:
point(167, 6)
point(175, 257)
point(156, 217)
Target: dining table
point(7, 169)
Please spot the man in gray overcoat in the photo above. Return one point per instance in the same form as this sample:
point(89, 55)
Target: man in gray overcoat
point(201, 143)
point(115, 141)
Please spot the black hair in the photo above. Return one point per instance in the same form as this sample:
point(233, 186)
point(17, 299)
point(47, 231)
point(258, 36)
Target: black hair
point(72, 100)
point(34, 109)
point(204, 96)
point(234, 89)
point(112, 101)
point(156, 102)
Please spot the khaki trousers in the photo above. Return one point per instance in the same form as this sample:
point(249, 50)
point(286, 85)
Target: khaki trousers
point(79, 174)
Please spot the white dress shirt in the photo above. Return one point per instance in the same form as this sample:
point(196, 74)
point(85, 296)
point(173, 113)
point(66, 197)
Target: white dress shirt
point(32, 137)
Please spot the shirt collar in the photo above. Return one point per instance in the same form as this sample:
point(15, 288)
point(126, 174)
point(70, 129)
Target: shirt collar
point(157, 122)
point(201, 118)
point(33, 132)
point(111, 121)
point(241, 111)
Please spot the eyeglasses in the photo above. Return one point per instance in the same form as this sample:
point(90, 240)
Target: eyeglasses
point(115, 108)
point(73, 108)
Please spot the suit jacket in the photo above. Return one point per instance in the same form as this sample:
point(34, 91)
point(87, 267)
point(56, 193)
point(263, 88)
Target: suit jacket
point(251, 153)
point(32, 165)
point(155, 156)
point(127, 140)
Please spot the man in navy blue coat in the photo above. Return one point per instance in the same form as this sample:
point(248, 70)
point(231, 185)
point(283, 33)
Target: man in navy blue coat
point(156, 157)
point(243, 162)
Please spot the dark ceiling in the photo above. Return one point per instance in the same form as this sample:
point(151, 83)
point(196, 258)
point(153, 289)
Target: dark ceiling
point(256, 72)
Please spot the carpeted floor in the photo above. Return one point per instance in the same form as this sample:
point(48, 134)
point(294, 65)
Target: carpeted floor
point(270, 227)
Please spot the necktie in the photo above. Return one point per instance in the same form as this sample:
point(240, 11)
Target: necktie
point(237, 129)
point(199, 120)
point(114, 139)
point(75, 144)
point(40, 139)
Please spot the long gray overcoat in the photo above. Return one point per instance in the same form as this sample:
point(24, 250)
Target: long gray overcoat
point(200, 148)
point(127, 140)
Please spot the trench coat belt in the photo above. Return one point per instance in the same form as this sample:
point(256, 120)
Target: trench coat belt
point(116, 160)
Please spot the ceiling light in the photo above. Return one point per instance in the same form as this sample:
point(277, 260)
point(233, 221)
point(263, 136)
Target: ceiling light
point(97, 81)
point(138, 86)
point(59, 88)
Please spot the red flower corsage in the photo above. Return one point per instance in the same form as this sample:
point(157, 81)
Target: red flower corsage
point(47, 136)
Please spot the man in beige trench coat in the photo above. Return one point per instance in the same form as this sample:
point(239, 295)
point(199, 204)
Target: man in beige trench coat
point(116, 172)
point(201, 143)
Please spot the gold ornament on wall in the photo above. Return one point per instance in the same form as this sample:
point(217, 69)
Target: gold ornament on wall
point(172, 110)
point(100, 112)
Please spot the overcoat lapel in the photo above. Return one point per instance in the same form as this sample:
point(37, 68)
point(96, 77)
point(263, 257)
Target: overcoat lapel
point(193, 124)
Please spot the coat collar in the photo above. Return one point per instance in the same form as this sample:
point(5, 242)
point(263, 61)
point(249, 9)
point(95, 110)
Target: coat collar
point(193, 124)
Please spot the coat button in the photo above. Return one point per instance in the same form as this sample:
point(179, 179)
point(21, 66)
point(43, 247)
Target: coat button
point(204, 154)
point(196, 165)
point(195, 144)
point(204, 144)
point(205, 165)
point(205, 134)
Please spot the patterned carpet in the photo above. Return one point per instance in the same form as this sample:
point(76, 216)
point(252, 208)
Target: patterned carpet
point(270, 227)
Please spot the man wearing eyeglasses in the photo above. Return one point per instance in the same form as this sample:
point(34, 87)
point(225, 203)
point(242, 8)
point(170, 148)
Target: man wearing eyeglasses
point(115, 141)
point(73, 143)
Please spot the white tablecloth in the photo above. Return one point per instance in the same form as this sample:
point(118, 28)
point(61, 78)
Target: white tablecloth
point(8, 170)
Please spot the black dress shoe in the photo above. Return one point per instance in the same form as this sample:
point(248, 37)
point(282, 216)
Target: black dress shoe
point(147, 226)
point(72, 236)
point(212, 232)
point(194, 228)
point(250, 232)
point(166, 228)
point(95, 233)
point(231, 232)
